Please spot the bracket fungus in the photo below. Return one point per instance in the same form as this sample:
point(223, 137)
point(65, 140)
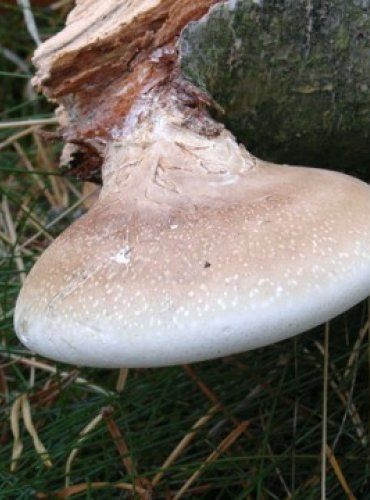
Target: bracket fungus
point(195, 249)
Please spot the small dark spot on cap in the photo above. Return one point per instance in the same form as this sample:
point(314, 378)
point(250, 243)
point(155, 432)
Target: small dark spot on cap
point(207, 264)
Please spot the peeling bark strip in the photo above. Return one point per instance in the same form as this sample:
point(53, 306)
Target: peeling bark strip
point(292, 76)
point(109, 54)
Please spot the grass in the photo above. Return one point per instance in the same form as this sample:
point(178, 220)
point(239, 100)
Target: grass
point(251, 426)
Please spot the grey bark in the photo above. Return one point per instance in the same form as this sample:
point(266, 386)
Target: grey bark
point(293, 77)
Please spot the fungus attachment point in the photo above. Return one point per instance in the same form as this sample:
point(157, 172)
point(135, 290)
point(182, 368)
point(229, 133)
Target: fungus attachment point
point(195, 249)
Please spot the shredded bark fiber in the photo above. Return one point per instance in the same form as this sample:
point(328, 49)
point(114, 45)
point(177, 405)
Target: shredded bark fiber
point(107, 57)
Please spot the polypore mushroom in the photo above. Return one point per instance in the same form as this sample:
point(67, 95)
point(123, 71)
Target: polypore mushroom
point(195, 248)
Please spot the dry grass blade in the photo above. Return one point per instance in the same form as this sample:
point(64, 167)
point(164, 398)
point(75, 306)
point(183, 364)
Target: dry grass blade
point(65, 212)
point(16, 136)
point(30, 20)
point(52, 389)
point(208, 392)
point(202, 386)
point(83, 436)
point(183, 444)
point(63, 5)
point(279, 474)
point(80, 488)
point(39, 180)
point(39, 447)
point(63, 374)
point(144, 485)
point(356, 349)
point(345, 398)
point(60, 192)
point(121, 379)
point(91, 190)
point(338, 472)
point(31, 221)
point(18, 258)
point(119, 442)
point(4, 390)
point(325, 412)
point(28, 123)
point(15, 59)
point(13, 238)
point(4, 399)
point(15, 415)
point(221, 448)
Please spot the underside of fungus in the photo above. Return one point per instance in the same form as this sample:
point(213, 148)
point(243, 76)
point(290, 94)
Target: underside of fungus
point(195, 249)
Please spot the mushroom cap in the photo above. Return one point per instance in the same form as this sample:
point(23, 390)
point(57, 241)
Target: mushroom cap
point(264, 253)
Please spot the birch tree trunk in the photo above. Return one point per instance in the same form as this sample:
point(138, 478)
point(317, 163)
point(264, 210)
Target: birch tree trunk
point(293, 77)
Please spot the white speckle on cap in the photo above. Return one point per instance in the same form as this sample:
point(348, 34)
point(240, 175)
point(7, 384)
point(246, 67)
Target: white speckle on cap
point(123, 256)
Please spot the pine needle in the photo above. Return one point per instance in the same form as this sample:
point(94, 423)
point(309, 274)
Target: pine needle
point(30, 20)
point(339, 473)
point(325, 412)
point(29, 123)
point(27, 418)
point(94, 486)
point(121, 380)
point(83, 436)
point(17, 136)
point(221, 448)
point(183, 444)
point(15, 416)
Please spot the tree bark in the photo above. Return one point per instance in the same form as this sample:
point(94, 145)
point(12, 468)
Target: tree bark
point(293, 77)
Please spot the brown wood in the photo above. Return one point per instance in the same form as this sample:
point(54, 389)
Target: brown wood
point(109, 54)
